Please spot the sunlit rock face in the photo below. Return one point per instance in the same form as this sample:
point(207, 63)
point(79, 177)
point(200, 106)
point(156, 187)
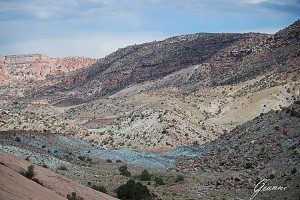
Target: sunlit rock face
point(38, 67)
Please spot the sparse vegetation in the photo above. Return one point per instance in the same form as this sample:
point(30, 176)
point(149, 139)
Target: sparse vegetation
point(37, 181)
point(88, 159)
point(29, 173)
point(82, 158)
point(124, 170)
point(149, 107)
point(179, 178)
point(99, 188)
point(159, 181)
point(248, 165)
point(45, 166)
point(145, 176)
point(62, 167)
point(73, 196)
point(18, 139)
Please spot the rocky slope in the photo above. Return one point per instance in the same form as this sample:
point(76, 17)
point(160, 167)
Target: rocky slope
point(38, 67)
point(139, 63)
point(267, 147)
point(91, 164)
point(227, 168)
point(149, 116)
point(52, 185)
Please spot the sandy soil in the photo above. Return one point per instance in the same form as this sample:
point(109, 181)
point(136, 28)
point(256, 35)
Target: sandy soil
point(15, 186)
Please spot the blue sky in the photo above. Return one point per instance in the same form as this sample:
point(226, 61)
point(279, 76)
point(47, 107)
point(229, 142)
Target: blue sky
point(96, 28)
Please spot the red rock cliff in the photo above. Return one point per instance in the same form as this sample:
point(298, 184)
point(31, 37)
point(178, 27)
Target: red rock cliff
point(38, 67)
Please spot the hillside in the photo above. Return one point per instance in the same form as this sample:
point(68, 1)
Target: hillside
point(226, 59)
point(184, 90)
point(52, 185)
point(264, 148)
point(149, 61)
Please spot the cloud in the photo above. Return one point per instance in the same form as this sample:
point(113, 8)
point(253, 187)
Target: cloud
point(96, 46)
point(61, 9)
point(97, 27)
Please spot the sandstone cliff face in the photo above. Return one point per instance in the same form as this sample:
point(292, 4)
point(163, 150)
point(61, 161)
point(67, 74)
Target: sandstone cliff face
point(38, 67)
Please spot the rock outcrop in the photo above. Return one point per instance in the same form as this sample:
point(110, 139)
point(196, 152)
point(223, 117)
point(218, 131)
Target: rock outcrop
point(38, 67)
point(264, 148)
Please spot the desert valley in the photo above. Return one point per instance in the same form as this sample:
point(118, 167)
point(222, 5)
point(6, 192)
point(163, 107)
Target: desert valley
point(200, 116)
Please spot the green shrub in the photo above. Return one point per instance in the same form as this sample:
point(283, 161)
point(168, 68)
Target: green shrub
point(124, 170)
point(179, 178)
point(145, 176)
point(73, 196)
point(133, 191)
point(88, 159)
point(62, 167)
point(81, 158)
point(45, 166)
point(248, 165)
point(18, 139)
point(159, 181)
point(99, 188)
point(29, 173)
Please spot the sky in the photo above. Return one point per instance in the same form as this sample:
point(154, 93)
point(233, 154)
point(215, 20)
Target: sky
point(95, 28)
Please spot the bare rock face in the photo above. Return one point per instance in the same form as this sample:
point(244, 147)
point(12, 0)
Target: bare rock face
point(38, 67)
